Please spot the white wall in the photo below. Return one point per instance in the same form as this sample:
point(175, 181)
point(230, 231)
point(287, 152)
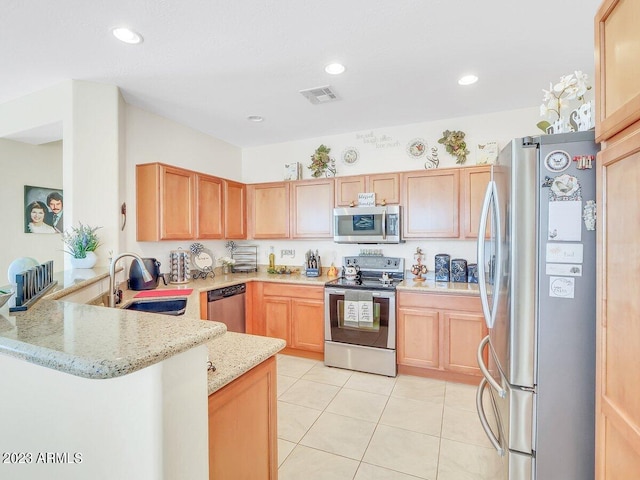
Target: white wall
point(89, 113)
point(35, 165)
point(383, 150)
point(151, 138)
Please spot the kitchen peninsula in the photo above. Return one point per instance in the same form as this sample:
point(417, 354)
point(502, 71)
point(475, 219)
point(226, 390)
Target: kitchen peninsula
point(89, 389)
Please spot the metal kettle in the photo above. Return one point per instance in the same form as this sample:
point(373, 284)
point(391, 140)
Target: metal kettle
point(136, 282)
point(352, 272)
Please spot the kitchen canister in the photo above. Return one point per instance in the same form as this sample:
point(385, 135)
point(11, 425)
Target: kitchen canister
point(180, 264)
point(459, 270)
point(472, 273)
point(442, 267)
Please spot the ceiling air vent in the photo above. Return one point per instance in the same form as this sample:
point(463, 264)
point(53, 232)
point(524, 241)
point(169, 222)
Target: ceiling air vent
point(318, 95)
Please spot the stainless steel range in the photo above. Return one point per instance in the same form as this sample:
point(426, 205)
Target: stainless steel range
point(360, 315)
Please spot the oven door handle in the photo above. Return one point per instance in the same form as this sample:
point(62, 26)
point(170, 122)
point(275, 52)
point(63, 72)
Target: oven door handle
point(333, 291)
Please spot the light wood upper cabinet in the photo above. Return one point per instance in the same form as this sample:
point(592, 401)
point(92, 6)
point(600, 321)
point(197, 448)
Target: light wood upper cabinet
point(269, 210)
point(235, 210)
point(386, 186)
point(177, 204)
point(617, 66)
point(210, 207)
point(474, 185)
point(431, 203)
point(165, 203)
point(312, 208)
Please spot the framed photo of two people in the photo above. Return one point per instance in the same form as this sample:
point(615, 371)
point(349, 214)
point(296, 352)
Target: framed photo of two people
point(43, 210)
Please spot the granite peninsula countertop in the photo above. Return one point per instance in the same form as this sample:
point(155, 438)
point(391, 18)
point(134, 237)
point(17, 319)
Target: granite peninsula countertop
point(99, 342)
point(93, 341)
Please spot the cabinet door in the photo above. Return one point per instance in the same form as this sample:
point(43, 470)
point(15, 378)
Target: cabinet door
point(210, 211)
point(418, 337)
point(617, 67)
point(307, 325)
point(176, 203)
point(431, 204)
point(347, 190)
point(312, 209)
point(463, 332)
point(235, 205)
point(617, 327)
point(270, 210)
point(474, 185)
point(277, 317)
point(243, 426)
point(386, 187)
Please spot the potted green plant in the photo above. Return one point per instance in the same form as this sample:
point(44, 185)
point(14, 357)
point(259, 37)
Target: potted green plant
point(81, 243)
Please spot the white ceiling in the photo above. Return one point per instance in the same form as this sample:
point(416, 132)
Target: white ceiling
point(209, 64)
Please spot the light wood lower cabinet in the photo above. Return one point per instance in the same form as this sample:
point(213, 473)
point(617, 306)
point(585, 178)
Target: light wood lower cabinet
point(294, 313)
point(243, 440)
point(438, 335)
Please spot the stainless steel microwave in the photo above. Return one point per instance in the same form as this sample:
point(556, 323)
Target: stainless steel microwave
point(379, 224)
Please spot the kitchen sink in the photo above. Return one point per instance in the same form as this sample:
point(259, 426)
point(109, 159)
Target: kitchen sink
point(169, 306)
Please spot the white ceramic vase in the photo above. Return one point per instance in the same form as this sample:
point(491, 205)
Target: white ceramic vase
point(88, 262)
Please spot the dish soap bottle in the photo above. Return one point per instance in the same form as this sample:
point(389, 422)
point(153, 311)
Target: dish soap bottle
point(272, 260)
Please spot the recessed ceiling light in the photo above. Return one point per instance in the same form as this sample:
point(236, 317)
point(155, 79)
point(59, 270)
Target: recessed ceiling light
point(334, 69)
point(255, 118)
point(127, 35)
point(468, 80)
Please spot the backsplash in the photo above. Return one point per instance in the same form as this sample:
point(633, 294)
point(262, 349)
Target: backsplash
point(291, 252)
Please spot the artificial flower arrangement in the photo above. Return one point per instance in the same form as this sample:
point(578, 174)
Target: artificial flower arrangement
point(321, 162)
point(455, 145)
point(80, 240)
point(227, 261)
point(571, 87)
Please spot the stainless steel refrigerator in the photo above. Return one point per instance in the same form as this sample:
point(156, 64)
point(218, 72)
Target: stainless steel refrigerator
point(537, 279)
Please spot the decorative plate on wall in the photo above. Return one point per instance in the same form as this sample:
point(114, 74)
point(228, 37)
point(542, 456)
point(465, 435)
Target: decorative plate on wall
point(417, 148)
point(350, 156)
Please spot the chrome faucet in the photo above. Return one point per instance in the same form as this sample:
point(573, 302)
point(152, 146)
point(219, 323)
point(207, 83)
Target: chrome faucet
point(146, 276)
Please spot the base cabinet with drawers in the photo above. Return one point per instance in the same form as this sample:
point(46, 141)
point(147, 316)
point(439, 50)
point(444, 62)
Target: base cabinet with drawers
point(438, 335)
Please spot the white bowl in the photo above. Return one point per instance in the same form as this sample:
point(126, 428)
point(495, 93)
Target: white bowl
point(19, 265)
point(4, 297)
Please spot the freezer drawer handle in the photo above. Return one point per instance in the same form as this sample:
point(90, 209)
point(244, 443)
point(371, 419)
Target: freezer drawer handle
point(485, 371)
point(483, 418)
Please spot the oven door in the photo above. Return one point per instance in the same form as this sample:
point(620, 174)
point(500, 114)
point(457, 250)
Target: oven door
point(380, 333)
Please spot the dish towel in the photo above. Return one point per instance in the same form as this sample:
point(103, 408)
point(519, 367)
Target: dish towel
point(365, 311)
point(351, 308)
point(164, 293)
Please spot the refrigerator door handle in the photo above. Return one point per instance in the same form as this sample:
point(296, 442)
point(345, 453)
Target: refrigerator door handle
point(485, 371)
point(483, 419)
point(489, 316)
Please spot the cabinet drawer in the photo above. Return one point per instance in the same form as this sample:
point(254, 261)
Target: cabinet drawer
point(293, 291)
point(439, 301)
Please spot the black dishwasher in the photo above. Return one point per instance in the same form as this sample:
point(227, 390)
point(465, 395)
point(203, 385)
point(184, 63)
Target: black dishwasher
point(226, 305)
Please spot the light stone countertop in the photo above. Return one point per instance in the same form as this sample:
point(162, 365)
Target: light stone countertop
point(98, 342)
point(93, 341)
point(234, 354)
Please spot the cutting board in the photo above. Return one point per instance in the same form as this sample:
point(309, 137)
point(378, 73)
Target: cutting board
point(164, 293)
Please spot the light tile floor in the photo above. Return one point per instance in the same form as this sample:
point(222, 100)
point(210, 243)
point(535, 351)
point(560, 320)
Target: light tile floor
point(337, 424)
